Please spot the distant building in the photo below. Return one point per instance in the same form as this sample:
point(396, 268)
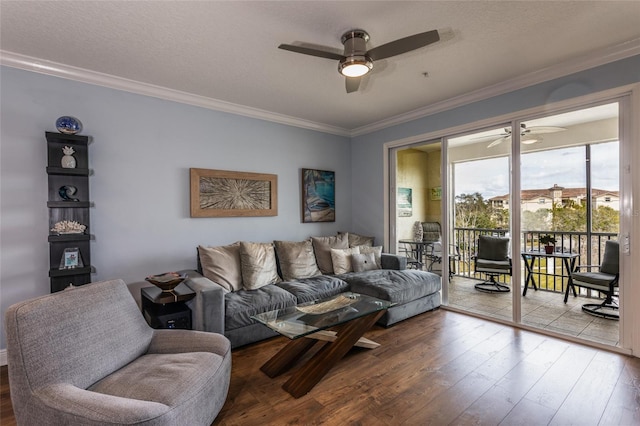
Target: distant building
point(536, 199)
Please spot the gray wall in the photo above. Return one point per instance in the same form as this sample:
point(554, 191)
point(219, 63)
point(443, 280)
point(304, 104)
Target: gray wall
point(367, 150)
point(141, 154)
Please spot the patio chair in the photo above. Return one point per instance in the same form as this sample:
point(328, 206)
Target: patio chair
point(434, 256)
point(409, 251)
point(603, 280)
point(493, 259)
point(431, 232)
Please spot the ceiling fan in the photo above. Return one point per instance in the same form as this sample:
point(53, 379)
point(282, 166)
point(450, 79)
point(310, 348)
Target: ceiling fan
point(356, 61)
point(526, 134)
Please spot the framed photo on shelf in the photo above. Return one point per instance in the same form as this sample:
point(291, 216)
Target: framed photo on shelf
point(71, 258)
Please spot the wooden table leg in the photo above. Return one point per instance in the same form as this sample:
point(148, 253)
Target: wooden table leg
point(305, 378)
point(287, 356)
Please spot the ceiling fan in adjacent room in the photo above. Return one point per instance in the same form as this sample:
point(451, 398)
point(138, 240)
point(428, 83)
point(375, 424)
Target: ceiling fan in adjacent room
point(357, 61)
point(527, 134)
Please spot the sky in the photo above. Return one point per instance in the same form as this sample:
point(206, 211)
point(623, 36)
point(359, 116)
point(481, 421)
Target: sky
point(565, 167)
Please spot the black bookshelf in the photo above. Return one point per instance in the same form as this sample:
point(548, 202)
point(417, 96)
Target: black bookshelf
point(74, 207)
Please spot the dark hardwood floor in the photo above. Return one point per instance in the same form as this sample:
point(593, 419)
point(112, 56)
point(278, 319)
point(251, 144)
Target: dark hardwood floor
point(439, 368)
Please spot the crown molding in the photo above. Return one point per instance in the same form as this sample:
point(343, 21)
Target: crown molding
point(591, 60)
point(582, 63)
point(28, 63)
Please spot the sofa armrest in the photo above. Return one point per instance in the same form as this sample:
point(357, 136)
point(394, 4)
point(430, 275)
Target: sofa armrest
point(185, 341)
point(208, 304)
point(64, 403)
point(393, 261)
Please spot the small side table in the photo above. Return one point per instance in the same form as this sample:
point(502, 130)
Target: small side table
point(167, 309)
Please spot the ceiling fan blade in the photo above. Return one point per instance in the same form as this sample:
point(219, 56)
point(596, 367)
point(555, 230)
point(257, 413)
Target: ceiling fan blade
point(352, 83)
point(313, 52)
point(538, 130)
point(498, 141)
point(404, 45)
point(488, 137)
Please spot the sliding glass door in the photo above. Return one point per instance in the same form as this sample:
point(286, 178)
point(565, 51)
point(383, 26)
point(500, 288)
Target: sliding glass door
point(554, 182)
point(569, 208)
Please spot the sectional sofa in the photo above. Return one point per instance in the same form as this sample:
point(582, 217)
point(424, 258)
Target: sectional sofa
point(236, 281)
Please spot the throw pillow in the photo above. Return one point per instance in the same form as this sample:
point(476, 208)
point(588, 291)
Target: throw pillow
point(377, 254)
point(258, 261)
point(341, 259)
point(296, 259)
point(358, 240)
point(364, 262)
point(222, 265)
point(493, 248)
point(322, 248)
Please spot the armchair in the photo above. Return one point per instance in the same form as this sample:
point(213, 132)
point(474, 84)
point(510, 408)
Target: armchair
point(604, 280)
point(86, 356)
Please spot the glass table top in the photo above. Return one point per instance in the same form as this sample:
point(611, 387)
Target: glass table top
point(310, 317)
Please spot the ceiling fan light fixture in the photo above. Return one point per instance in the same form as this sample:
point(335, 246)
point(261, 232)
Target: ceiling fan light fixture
point(355, 66)
point(528, 140)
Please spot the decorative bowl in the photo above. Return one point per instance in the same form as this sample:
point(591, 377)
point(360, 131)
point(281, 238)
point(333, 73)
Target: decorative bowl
point(68, 125)
point(167, 281)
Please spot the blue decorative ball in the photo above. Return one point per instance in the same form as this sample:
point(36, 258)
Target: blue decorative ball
point(68, 125)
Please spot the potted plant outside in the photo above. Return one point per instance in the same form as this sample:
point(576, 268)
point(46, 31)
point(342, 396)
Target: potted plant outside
point(549, 242)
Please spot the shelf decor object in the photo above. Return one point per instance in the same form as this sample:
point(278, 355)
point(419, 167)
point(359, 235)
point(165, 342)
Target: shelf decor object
point(69, 211)
point(71, 258)
point(68, 161)
point(68, 227)
point(68, 125)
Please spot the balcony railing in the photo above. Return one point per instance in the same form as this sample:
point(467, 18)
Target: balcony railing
point(548, 273)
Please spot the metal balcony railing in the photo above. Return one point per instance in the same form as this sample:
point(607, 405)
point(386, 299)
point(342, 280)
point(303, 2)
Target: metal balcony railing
point(549, 273)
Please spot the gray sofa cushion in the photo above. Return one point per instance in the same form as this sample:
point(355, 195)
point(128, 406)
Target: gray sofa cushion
point(394, 286)
point(308, 289)
point(240, 305)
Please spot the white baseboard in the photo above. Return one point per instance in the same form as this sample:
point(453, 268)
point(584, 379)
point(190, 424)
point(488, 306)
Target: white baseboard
point(3, 357)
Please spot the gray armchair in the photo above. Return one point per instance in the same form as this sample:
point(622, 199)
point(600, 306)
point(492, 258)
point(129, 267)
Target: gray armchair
point(86, 356)
point(603, 278)
point(493, 260)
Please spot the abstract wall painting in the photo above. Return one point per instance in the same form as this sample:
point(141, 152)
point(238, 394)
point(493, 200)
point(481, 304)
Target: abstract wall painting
point(221, 193)
point(318, 196)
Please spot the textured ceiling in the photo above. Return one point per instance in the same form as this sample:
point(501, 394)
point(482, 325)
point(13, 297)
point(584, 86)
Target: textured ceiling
point(227, 51)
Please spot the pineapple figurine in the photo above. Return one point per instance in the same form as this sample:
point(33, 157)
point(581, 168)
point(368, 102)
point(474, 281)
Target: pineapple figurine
point(68, 160)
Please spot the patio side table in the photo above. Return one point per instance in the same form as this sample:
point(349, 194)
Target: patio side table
point(529, 257)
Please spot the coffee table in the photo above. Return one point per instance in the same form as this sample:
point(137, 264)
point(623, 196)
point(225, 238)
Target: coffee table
point(339, 321)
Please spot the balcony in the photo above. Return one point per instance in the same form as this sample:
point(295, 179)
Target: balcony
point(545, 308)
